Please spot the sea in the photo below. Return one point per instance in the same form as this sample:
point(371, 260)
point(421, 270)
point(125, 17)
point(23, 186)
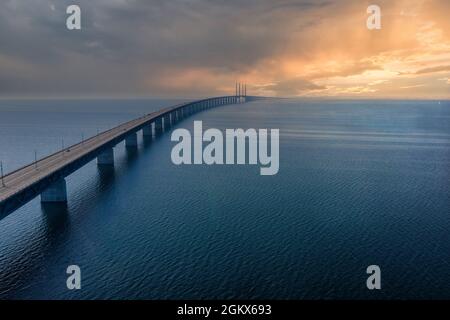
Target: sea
point(360, 183)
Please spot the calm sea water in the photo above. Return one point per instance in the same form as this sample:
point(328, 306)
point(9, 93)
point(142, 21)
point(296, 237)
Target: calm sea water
point(360, 183)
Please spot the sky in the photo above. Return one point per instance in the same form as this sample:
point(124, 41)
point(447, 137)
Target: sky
point(195, 48)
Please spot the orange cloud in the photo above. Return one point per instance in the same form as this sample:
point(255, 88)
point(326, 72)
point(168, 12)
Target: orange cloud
point(337, 55)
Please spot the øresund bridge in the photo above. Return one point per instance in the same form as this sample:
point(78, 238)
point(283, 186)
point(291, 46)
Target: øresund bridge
point(46, 177)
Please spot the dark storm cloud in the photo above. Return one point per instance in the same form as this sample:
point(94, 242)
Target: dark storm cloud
point(126, 46)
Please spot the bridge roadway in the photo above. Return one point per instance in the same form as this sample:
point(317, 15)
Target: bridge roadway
point(24, 184)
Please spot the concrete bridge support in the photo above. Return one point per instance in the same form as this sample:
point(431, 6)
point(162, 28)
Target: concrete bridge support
point(166, 122)
point(131, 140)
point(147, 131)
point(158, 126)
point(57, 192)
point(106, 157)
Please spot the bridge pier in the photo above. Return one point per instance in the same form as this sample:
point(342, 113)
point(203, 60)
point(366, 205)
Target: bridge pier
point(166, 122)
point(158, 126)
point(131, 140)
point(56, 192)
point(106, 157)
point(147, 131)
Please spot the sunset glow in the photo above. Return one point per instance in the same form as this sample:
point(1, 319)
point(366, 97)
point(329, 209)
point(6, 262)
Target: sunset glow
point(280, 48)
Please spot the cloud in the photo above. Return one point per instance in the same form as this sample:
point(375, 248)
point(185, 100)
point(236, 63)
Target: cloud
point(413, 86)
point(201, 47)
point(344, 69)
point(433, 69)
point(291, 87)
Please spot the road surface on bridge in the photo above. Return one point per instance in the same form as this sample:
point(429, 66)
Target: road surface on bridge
point(24, 177)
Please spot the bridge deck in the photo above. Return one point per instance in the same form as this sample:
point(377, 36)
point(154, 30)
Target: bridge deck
point(22, 178)
point(26, 183)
